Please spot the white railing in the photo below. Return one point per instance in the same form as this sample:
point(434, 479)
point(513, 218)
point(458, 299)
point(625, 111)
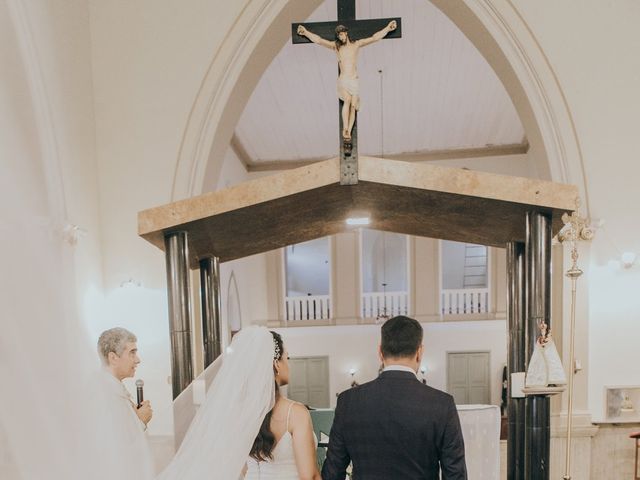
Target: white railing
point(380, 303)
point(465, 301)
point(308, 307)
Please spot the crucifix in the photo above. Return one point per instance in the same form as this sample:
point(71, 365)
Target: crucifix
point(345, 37)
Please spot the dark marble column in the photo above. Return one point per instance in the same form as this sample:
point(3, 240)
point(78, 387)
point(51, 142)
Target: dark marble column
point(538, 309)
point(211, 305)
point(177, 261)
point(515, 358)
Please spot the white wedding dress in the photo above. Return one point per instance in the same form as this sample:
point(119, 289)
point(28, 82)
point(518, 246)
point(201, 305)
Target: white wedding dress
point(283, 464)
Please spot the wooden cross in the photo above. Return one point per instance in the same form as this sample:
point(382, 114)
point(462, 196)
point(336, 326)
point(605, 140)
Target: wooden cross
point(358, 29)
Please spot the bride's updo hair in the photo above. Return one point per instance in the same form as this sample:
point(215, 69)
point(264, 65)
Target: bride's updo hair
point(263, 445)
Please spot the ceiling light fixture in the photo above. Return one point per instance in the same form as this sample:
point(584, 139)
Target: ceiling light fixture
point(358, 221)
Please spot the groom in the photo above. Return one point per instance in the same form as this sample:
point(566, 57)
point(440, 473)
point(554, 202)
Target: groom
point(394, 427)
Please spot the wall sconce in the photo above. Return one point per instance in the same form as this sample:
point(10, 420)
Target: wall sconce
point(72, 233)
point(628, 259)
point(130, 283)
point(352, 372)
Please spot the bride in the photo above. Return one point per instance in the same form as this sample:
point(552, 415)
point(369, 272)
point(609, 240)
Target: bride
point(245, 426)
point(285, 447)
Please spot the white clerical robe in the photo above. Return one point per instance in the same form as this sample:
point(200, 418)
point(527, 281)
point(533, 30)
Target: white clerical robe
point(122, 410)
point(124, 401)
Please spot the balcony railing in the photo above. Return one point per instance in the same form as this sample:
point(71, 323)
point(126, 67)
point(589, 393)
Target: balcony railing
point(465, 301)
point(308, 307)
point(381, 303)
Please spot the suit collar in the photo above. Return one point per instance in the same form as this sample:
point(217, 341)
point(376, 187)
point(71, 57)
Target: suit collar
point(398, 374)
point(400, 368)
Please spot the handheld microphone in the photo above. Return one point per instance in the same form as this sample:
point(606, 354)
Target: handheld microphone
point(140, 396)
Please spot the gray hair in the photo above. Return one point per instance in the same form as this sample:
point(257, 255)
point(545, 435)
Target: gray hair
point(114, 340)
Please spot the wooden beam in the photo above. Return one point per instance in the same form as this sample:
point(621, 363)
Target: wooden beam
point(241, 153)
point(421, 156)
point(309, 202)
point(460, 153)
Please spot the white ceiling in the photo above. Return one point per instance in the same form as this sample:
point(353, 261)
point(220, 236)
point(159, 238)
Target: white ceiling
point(437, 91)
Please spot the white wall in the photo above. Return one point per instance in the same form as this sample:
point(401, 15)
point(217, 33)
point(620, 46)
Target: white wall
point(48, 125)
point(232, 171)
point(249, 273)
point(308, 267)
point(355, 346)
point(599, 74)
point(148, 61)
point(614, 330)
point(452, 264)
point(384, 260)
point(22, 182)
point(48, 120)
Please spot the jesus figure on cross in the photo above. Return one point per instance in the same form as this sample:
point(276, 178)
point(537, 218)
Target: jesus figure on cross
point(347, 51)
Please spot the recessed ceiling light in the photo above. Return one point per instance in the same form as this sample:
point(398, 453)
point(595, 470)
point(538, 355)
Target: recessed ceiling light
point(358, 221)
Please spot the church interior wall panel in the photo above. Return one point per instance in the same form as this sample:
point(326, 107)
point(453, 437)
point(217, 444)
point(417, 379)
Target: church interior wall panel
point(429, 283)
point(499, 281)
point(345, 285)
point(613, 330)
point(580, 450)
point(613, 452)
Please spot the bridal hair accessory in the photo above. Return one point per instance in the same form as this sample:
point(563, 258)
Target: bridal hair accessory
point(277, 354)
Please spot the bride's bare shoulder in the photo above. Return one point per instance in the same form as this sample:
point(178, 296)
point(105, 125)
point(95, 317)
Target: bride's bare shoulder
point(299, 415)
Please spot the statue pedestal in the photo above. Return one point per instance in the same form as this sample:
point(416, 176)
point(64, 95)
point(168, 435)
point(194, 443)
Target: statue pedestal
point(548, 391)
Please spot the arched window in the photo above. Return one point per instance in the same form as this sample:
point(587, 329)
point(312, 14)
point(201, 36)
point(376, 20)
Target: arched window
point(465, 282)
point(308, 284)
point(385, 288)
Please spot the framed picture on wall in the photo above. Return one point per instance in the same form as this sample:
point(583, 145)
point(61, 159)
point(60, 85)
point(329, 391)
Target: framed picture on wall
point(622, 403)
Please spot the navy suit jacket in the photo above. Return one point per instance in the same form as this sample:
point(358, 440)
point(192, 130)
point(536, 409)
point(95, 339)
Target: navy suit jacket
point(395, 428)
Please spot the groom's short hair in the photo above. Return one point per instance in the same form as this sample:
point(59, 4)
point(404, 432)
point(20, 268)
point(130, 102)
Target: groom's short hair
point(401, 337)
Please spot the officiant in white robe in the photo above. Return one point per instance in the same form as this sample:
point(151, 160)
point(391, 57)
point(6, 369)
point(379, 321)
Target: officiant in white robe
point(118, 351)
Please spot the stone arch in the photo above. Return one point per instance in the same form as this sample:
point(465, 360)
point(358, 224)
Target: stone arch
point(496, 29)
point(256, 37)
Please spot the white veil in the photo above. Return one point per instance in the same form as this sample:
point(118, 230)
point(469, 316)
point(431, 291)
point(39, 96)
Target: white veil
point(220, 437)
